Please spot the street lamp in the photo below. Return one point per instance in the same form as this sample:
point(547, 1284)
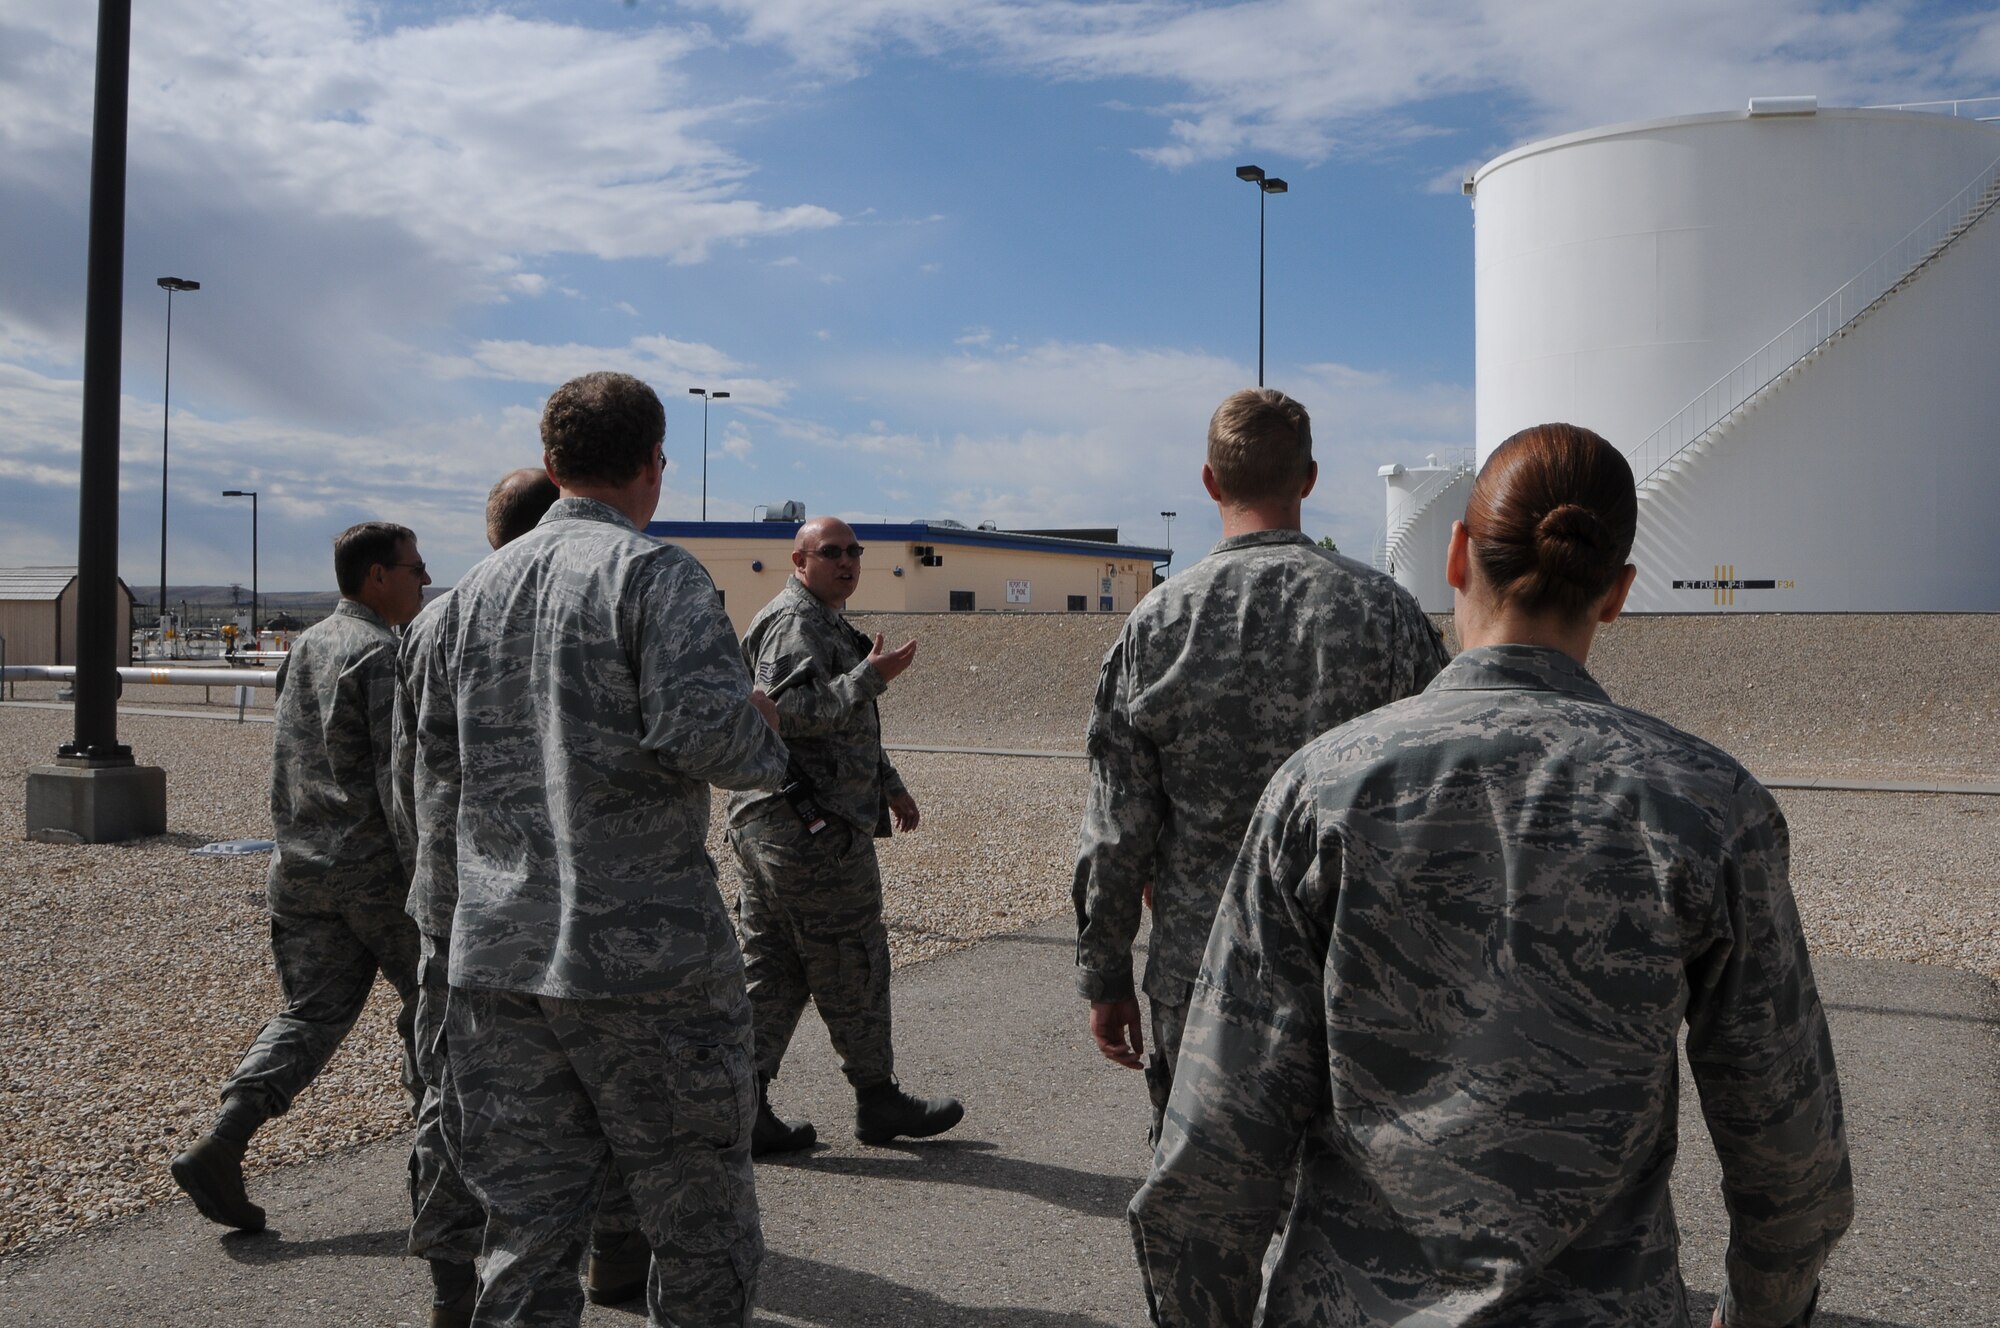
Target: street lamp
point(251, 494)
point(169, 285)
point(1265, 185)
point(706, 396)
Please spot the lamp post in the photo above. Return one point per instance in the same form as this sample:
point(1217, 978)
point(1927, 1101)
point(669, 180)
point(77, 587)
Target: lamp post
point(706, 396)
point(1265, 185)
point(251, 494)
point(94, 793)
point(169, 285)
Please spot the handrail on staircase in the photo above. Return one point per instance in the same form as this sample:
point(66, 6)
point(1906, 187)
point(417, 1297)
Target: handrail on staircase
point(1823, 323)
point(1413, 505)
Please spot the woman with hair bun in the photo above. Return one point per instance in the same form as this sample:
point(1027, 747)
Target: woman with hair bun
point(1442, 997)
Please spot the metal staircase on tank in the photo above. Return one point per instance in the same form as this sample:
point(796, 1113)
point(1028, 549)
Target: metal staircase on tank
point(1703, 422)
point(1395, 535)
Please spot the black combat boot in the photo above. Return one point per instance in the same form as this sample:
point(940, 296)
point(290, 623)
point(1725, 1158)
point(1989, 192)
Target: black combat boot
point(884, 1111)
point(454, 1293)
point(772, 1135)
point(212, 1171)
point(619, 1263)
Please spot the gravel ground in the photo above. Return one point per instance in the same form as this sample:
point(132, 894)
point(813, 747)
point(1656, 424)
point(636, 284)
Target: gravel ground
point(138, 974)
point(1852, 696)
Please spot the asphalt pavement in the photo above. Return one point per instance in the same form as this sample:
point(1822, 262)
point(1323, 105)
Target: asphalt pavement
point(1016, 1219)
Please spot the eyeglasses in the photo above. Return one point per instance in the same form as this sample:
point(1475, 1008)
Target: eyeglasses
point(833, 553)
point(416, 567)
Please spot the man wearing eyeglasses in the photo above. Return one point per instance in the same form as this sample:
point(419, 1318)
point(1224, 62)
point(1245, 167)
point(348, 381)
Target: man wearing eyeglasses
point(811, 906)
point(338, 877)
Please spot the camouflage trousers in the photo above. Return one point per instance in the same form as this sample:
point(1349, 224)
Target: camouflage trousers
point(1169, 1022)
point(545, 1095)
point(328, 951)
point(446, 1221)
point(810, 913)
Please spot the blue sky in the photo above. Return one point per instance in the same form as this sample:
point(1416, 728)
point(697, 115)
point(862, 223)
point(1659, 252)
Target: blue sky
point(984, 260)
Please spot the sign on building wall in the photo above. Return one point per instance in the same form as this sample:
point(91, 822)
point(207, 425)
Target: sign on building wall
point(1017, 592)
point(1104, 585)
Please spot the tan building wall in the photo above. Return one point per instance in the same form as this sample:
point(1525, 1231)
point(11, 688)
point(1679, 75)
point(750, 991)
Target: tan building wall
point(30, 629)
point(996, 576)
point(42, 630)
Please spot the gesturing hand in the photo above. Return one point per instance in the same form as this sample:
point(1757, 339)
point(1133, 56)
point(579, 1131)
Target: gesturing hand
point(889, 663)
point(903, 808)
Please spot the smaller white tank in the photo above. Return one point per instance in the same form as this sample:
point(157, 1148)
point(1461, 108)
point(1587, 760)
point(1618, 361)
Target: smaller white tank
point(1423, 501)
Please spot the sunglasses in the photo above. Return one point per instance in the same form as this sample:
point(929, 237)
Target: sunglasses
point(833, 553)
point(416, 567)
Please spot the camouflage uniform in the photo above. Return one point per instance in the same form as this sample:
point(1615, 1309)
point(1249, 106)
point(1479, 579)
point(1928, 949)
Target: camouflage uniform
point(1445, 986)
point(596, 1008)
point(447, 1222)
point(1220, 674)
point(811, 905)
point(337, 877)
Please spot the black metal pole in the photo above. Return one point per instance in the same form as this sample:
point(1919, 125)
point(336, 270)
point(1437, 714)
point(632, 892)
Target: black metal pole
point(704, 456)
point(253, 570)
point(166, 412)
point(96, 735)
point(1260, 302)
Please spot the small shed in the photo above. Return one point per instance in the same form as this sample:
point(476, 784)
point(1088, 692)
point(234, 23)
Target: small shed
point(38, 615)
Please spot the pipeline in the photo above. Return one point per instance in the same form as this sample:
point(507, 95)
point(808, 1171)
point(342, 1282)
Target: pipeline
point(171, 677)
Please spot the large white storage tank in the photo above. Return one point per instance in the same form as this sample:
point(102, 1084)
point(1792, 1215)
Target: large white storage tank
point(1790, 319)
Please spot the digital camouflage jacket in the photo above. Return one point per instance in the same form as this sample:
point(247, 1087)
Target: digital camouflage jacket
point(597, 691)
point(1221, 673)
point(830, 723)
point(330, 762)
point(1442, 999)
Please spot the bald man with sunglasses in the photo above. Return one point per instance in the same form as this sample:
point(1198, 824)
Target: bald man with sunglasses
point(811, 906)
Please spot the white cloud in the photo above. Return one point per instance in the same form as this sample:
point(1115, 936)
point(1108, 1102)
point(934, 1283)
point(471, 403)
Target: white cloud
point(1093, 434)
point(345, 185)
point(1309, 79)
point(544, 137)
point(669, 365)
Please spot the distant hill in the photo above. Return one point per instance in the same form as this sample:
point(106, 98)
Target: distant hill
point(205, 603)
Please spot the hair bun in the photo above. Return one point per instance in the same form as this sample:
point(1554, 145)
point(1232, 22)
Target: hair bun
point(1571, 525)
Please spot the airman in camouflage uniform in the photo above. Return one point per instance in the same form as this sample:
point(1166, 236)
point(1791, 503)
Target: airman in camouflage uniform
point(597, 1011)
point(1442, 996)
point(448, 1224)
point(337, 877)
point(1222, 672)
point(810, 909)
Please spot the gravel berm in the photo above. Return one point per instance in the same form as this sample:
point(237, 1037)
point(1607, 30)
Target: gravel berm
point(138, 973)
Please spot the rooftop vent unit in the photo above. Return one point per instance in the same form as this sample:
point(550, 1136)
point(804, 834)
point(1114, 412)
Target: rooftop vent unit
point(789, 510)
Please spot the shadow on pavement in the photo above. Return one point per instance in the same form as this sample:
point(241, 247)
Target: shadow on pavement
point(977, 1163)
point(1945, 1015)
point(254, 1249)
point(1701, 1310)
point(807, 1291)
point(1029, 938)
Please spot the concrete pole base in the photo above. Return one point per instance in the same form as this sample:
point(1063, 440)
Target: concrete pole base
point(83, 803)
